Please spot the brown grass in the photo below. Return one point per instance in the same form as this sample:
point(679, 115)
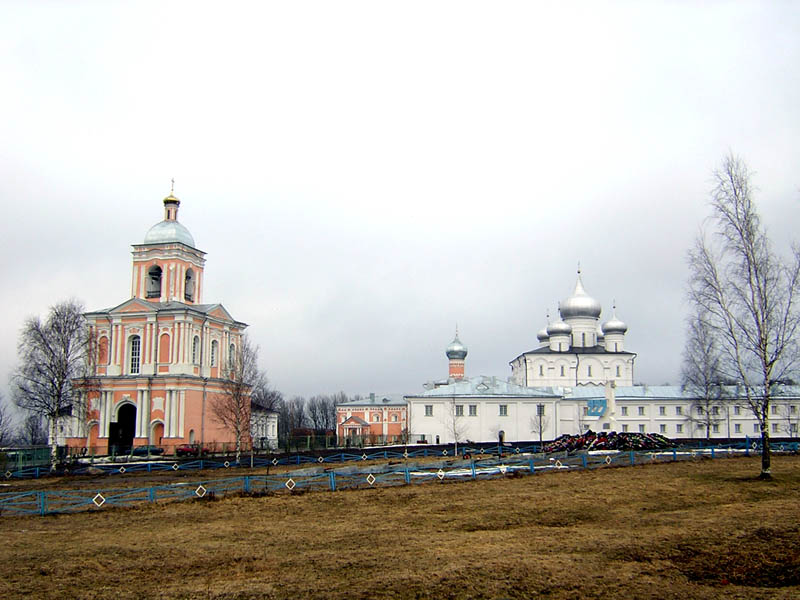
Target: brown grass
point(683, 530)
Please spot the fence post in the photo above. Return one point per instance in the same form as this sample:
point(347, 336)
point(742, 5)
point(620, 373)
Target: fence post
point(712, 451)
point(151, 494)
point(246, 484)
point(472, 464)
point(674, 454)
point(42, 503)
point(332, 477)
point(747, 445)
point(583, 460)
point(533, 469)
point(408, 476)
point(201, 464)
point(633, 458)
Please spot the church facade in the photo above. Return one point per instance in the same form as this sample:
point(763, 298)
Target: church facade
point(161, 357)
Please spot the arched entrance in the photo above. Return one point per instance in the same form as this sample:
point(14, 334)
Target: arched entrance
point(121, 433)
point(156, 433)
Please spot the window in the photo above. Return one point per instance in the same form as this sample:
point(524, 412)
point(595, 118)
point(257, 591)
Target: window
point(624, 411)
point(541, 370)
point(394, 418)
point(231, 355)
point(774, 409)
point(589, 371)
point(641, 429)
point(583, 343)
point(473, 410)
point(679, 428)
point(562, 370)
point(774, 428)
point(755, 427)
point(662, 410)
point(585, 411)
point(715, 410)
point(195, 350)
point(540, 410)
point(793, 429)
point(737, 428)
point(214, 352)
point(678, 410)
point(699, 411)
point(737, 410)
point(618, 371)
point(188, 286)
point(625, 427)
point(153, 282)
point(376, 418)
point(429, 410)
point(715, 428)
point(504, 410)
point(459, 410)
point(641, 411)
point(792, 409)
point(662, 428)
point(136, 348)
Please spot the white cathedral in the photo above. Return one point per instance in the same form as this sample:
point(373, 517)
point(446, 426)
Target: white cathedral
point(579, 377)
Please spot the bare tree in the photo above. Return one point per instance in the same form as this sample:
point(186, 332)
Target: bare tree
point(53, 355)
point(701, 374)
point(540, 422)
point(454, 422)
point(746, 294)
point(31, 431)
point(231, 406)
point(6, 424)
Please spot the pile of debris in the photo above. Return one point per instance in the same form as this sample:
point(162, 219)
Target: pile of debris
point(608, 441)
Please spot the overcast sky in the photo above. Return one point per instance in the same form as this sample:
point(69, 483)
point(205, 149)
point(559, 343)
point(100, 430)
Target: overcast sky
point(365, 175)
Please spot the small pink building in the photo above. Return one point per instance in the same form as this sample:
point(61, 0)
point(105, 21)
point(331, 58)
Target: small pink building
point(372, 421)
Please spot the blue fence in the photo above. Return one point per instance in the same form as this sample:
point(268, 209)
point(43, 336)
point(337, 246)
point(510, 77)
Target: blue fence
point(396, 453)
point(477, 467)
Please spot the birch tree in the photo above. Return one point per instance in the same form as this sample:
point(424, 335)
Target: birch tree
point(747, 294)
point(54, 355)
point(701, 375)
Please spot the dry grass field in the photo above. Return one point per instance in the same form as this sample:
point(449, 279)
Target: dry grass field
point(704, 529)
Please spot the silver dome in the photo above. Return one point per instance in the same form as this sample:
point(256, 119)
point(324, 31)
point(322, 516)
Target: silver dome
point(543, 336)
point(580, 304)
point(559, 328)
point(167, 232)
point(456, 349)
point(614, 325)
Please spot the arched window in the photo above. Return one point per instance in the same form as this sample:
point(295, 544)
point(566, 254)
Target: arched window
point(231, 355)
point(188, 286)
point(589, 370)
point(562, 370)
point(583, 339)
point(102, 351)
point(541, 370)
point(617, 370)
point(154, 282)
point(214, 352)
point(195, 350)
point(135, 353)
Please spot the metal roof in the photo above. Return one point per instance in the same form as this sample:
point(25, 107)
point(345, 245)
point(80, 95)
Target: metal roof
point(487, 386)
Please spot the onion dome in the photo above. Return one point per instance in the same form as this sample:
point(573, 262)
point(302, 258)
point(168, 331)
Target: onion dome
point(456, 350)
point(559, 328)
point(614, 325)
point(169, 230)
point(543, 336)
point(580, 304)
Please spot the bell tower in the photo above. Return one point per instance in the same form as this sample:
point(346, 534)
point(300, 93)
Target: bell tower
point(168, 267)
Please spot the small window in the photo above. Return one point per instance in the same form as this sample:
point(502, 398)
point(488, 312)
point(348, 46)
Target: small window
point(624, 427)
point(196, 350)
point(715, 410)
point(540, 410)
point(214, 352)
point(792, 409)
point(699, 411)
point(641, 429)
point(737, 428)
point(394, 418)
point(774, 428)
point(793, 429)
point(459, 410)
point(715, 428)
point(641, 411)
point(755, 428)
point(585, 411)
point(679, 428)
point(662, 410)
point(504, 410)
point(541, 370)
point(473, 410)
point(188, 286)
point(562, 370)
point(429, 410)
point(616, 347)
point(376, 418)
point(153, 282)
point(662, 428)
point(231, 355)
point(618, 371)
point(773, 409)
point(624, 411)
point(589, 371)
point(678, 410)
point(583, 342)
point(737, 410)
point(136, 349)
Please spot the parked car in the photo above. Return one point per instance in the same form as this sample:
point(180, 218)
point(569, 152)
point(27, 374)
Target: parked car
point(147, 451)
point(190, 450)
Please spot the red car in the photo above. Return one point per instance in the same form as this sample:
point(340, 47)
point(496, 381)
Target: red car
point(190, 450)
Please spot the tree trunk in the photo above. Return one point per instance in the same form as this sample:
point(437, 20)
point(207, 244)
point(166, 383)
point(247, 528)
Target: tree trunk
point(53, 443)
point(765, 450)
